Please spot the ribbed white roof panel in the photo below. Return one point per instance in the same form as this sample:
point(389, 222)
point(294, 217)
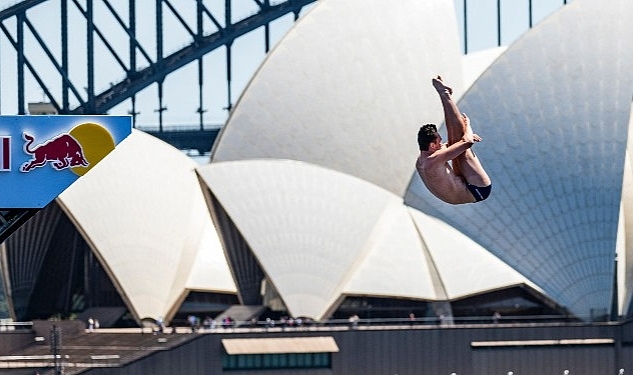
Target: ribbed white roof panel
point(394, 264)
point(210, 270)
point(465, 267)
point(311, 229)
point(142, 211)
point(553, 111)
point(347, 88)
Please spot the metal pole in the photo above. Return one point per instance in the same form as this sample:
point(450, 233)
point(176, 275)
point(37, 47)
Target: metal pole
point(161, 108)
point(227, 24)
point(159, 32)
point(132, 48)
point(56, 341)
point(20, 26)
point(159, 60)
point(530, 12)
point(90, 52)
point(199, 32)
point(131, 39)
point(267, 30)
point(498, 23)
point(201, 110)
point(65, 85)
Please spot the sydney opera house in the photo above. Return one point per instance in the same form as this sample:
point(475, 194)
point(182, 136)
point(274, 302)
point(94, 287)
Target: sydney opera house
point(310, 206)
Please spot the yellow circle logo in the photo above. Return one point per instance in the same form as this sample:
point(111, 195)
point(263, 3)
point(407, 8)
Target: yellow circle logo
point(95, 141)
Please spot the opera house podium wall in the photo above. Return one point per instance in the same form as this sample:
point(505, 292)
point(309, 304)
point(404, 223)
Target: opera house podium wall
point(478, 349)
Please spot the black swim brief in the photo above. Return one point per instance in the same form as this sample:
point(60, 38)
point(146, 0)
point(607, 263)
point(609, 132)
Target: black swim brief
point(480, 193)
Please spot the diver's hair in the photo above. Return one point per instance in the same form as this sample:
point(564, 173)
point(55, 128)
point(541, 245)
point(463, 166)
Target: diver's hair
point(426, 135)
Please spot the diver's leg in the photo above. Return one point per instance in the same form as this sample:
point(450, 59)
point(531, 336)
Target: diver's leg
point(454, 121)
point(455, 124)
point(470, 165)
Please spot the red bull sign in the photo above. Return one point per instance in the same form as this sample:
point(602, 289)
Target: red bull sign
point(40, 156)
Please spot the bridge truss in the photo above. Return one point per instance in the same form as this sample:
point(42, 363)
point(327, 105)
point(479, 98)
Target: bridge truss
point(142, 62)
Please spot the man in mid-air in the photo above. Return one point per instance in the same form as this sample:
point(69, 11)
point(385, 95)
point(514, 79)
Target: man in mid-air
point(463, 180)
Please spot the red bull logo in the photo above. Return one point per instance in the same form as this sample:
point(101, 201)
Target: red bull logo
point(62, 152)
point(41, 156)
point(78, 150)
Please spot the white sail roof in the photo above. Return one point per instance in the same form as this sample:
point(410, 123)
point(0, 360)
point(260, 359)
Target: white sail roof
point(142, 212)
point(319, 234)
point(348, 93)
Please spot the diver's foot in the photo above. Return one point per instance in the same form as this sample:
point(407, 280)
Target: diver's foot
point(441, 87)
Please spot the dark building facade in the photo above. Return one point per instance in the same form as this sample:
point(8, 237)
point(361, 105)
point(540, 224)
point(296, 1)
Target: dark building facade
point(537, 349)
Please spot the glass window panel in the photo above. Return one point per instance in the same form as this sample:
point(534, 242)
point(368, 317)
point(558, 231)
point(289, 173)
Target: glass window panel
point(229, 362)
point(309, 359)
point(322, 360)
point(257, 360)
point(267, 361)
point(241, 361)
point(273, 361)
point(283, 360)
point(292, 360)
point(249, 361)
point(301, 360)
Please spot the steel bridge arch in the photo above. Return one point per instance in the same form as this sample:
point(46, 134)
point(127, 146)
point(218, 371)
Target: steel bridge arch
point(135, 80)
point(201, 46)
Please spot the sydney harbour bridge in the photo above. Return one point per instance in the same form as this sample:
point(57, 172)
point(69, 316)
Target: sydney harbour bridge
point(97, 57)
point(143, 63)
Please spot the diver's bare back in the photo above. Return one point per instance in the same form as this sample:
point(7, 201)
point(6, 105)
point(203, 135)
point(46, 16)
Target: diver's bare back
point(442, 182)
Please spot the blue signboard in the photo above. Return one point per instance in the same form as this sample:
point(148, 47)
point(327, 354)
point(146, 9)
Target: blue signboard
point(40, 156)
